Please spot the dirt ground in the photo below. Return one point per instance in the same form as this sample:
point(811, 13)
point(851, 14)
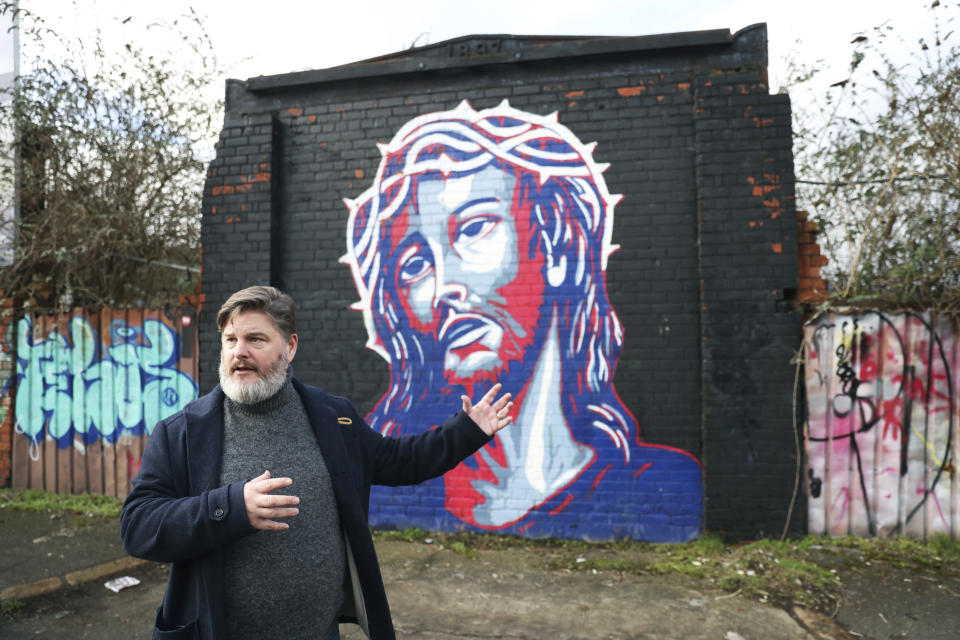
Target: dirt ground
point(437, 593)
point(885, 601)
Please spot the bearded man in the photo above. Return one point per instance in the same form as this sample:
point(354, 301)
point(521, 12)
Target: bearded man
point(258, 492)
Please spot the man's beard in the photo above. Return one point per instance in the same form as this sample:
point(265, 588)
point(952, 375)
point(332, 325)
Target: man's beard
point(267, 384)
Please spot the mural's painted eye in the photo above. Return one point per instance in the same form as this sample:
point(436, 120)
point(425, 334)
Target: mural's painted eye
point(475, 228)
point(414, 269)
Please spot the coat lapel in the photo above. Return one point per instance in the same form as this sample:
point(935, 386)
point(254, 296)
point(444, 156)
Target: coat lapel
point(205, 441)
point(330, 432)
point(323, 419)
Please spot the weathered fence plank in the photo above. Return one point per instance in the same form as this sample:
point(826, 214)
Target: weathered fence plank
point(881, 429)
point(87, 390)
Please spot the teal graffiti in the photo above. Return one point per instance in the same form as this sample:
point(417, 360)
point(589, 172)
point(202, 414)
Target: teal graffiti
point(76, 390)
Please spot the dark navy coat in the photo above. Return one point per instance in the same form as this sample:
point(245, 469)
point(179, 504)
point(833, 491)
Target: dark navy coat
point(177, 513)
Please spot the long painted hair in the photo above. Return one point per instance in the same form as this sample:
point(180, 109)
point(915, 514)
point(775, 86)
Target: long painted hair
point(563, 196)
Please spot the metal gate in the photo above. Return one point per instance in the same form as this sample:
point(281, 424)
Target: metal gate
point(88, 388)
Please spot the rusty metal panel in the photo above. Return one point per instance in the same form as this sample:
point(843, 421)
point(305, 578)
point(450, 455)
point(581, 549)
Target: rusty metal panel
point(88, 389)
point(881, 430)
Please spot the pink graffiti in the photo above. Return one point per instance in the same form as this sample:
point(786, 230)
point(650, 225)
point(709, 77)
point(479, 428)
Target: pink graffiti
point(936, 502)
point(881, 424)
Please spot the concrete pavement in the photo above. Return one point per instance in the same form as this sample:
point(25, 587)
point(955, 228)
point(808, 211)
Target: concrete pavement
point(54, 566)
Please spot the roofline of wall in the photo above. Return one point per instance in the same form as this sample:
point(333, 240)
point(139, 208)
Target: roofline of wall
point(553, 48)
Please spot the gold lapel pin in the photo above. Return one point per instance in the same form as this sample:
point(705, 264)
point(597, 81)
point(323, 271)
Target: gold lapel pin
point(343, 420)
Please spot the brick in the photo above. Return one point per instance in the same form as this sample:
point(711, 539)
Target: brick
point(695, 284)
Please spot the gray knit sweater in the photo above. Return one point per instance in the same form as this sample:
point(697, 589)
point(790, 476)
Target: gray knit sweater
point(282, 584)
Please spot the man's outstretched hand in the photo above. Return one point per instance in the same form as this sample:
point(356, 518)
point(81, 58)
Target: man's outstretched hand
point(492, 413)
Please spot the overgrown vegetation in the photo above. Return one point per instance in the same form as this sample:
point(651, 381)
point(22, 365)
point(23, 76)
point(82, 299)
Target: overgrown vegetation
point(110, 142)
point(878, 167)
point(43, 501)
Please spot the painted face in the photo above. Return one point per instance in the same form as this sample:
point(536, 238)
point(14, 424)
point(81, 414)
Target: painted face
point(253, 356)
point(461, 273)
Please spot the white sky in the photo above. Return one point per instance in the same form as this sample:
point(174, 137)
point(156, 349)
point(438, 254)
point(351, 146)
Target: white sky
point(252, 37)
point(6, 47)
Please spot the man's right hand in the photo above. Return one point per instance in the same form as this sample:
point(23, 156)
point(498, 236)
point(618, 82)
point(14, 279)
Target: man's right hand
point(263, 506)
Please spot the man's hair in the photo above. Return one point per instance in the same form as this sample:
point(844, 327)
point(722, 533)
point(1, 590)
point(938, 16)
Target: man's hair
point(563, 196)
point(269, 300)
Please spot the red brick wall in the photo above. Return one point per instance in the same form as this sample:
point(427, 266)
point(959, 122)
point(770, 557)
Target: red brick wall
point(7, 372)
point(812, 288)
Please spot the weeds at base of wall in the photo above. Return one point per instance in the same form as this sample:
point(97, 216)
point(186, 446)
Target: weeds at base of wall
point(805, 572)
point(39, 500)
point(899, 551)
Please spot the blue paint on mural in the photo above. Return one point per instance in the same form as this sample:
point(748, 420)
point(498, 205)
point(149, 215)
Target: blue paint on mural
point(480, 254)
point(75, 389)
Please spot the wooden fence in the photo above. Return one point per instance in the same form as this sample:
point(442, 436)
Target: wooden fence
point(86, 389)
point(881, 431)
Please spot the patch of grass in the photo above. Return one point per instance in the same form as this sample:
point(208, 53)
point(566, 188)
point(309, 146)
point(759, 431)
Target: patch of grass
point(780, 573)
point(483, 541)
point(902, 551)
point(706, 546)
point(38, 500)
point(618, 564)
point(463, 550)
point(10, 607)
point(944, 546)
point(411, 534)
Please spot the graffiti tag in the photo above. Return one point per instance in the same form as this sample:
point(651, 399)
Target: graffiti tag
point(74, 388)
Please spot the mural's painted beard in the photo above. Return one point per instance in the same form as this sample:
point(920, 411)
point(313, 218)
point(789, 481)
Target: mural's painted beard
point(532, 460)
point(466, 278)
point(476, 349)
point(470, 352)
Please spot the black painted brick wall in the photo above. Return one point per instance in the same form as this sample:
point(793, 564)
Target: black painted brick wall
point(748, 257)
point(707, 231)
